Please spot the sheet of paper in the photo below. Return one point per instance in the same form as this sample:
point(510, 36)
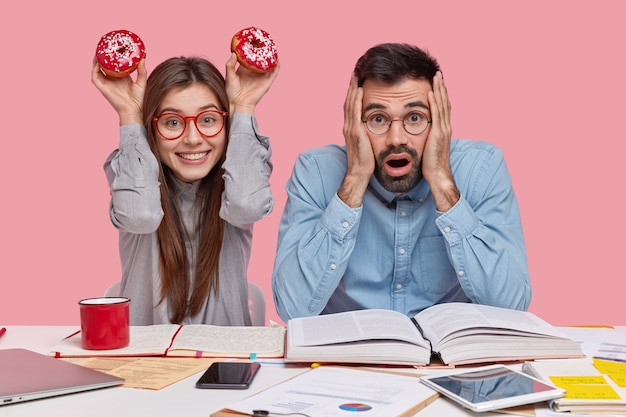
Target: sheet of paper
point(615, 370)
point(603, 342)
point(329, 391)
point(146, 372)
point(612, 351)
point(592, 387)
point(542, 410)
point(521, 410)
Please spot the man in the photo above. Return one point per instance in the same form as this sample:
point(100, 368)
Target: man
point(402, 217)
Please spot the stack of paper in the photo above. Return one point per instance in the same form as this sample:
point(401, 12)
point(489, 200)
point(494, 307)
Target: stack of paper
point(592, 386)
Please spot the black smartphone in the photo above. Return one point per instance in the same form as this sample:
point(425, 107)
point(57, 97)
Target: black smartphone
point(228, 375)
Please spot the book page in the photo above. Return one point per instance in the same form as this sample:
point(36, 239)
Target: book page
point(352, 326)
point(454, 319)
point(229, 340)
point(144, 340)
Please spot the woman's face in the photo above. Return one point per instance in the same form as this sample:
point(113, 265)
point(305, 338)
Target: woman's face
point(191, 156)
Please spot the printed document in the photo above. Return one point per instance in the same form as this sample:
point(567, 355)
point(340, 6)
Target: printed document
point(330, 391)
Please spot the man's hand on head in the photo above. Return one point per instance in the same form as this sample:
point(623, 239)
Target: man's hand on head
point(436, 159)
point(361, 160)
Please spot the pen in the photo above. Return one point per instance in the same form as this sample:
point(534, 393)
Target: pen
point(3, 331)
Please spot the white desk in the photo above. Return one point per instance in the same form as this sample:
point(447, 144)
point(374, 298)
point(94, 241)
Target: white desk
point(180, 399)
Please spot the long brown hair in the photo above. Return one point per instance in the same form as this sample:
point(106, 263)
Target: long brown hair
point(173, 261)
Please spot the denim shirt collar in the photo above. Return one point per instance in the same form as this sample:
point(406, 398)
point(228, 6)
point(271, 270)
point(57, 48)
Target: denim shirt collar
point(417, 193)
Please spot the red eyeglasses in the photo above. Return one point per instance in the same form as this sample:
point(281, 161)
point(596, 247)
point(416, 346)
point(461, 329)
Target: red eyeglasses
point(172, 125)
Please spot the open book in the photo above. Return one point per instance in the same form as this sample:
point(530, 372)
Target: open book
point(457, 333)
point(198, 340)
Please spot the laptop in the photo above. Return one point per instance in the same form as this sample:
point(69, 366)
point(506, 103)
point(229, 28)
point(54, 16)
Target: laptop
point(26, 375)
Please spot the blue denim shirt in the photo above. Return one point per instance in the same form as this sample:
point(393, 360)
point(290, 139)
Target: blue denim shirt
point(399, 252)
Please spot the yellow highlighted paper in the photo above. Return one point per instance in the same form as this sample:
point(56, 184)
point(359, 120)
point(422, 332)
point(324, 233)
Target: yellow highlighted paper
point(591, 392)
point(615, 370)
point(566, 381)
point(619, 379)
point(582, 387)
point(609, 367)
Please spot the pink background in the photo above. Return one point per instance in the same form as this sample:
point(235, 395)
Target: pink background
point(544, 80)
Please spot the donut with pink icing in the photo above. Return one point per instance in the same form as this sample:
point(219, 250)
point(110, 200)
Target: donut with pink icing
point(119, 52)
point(255, 49)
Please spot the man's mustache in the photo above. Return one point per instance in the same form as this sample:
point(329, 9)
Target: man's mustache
point(398, 149)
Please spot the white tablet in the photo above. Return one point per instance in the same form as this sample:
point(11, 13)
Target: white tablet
point(491, 387)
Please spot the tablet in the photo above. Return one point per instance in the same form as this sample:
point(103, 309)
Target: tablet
point(491, 387)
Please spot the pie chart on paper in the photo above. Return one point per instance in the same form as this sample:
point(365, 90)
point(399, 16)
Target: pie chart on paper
point(355, 407)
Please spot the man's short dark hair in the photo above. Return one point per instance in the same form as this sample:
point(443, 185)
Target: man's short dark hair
point(393, 62)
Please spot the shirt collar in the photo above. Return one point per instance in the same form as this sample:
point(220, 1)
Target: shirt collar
point(417, 193)
point(181, 187)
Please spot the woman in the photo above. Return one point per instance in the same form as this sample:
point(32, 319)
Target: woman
point(188, 181)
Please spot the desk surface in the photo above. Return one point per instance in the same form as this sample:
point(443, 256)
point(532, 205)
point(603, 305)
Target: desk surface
point(181, 398)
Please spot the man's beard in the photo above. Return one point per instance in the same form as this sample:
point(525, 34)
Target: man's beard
point(403, 184)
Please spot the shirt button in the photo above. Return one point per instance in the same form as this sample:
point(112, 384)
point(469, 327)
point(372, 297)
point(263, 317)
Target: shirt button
point(333, 266)
point(403, 213)
point(447, 229)
point(345, 224)
point(402, 251)
point(398, 286)
point(461, 273)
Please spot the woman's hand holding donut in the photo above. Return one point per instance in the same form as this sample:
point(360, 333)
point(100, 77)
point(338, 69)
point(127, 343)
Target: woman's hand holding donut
point(124, 94)
point(244, 87)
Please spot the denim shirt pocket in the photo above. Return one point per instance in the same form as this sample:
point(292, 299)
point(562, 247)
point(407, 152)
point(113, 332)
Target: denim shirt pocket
point(436, 273)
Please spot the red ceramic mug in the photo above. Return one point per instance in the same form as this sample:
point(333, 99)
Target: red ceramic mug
point(104, 323)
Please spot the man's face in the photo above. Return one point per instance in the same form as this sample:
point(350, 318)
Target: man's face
point(398, 153)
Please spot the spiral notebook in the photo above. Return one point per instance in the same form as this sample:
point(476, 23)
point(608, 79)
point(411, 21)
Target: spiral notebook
point(26, 375)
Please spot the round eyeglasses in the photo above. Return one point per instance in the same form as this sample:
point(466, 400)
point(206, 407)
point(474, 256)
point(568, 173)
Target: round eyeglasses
point(172, 125)
point(414, 123)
